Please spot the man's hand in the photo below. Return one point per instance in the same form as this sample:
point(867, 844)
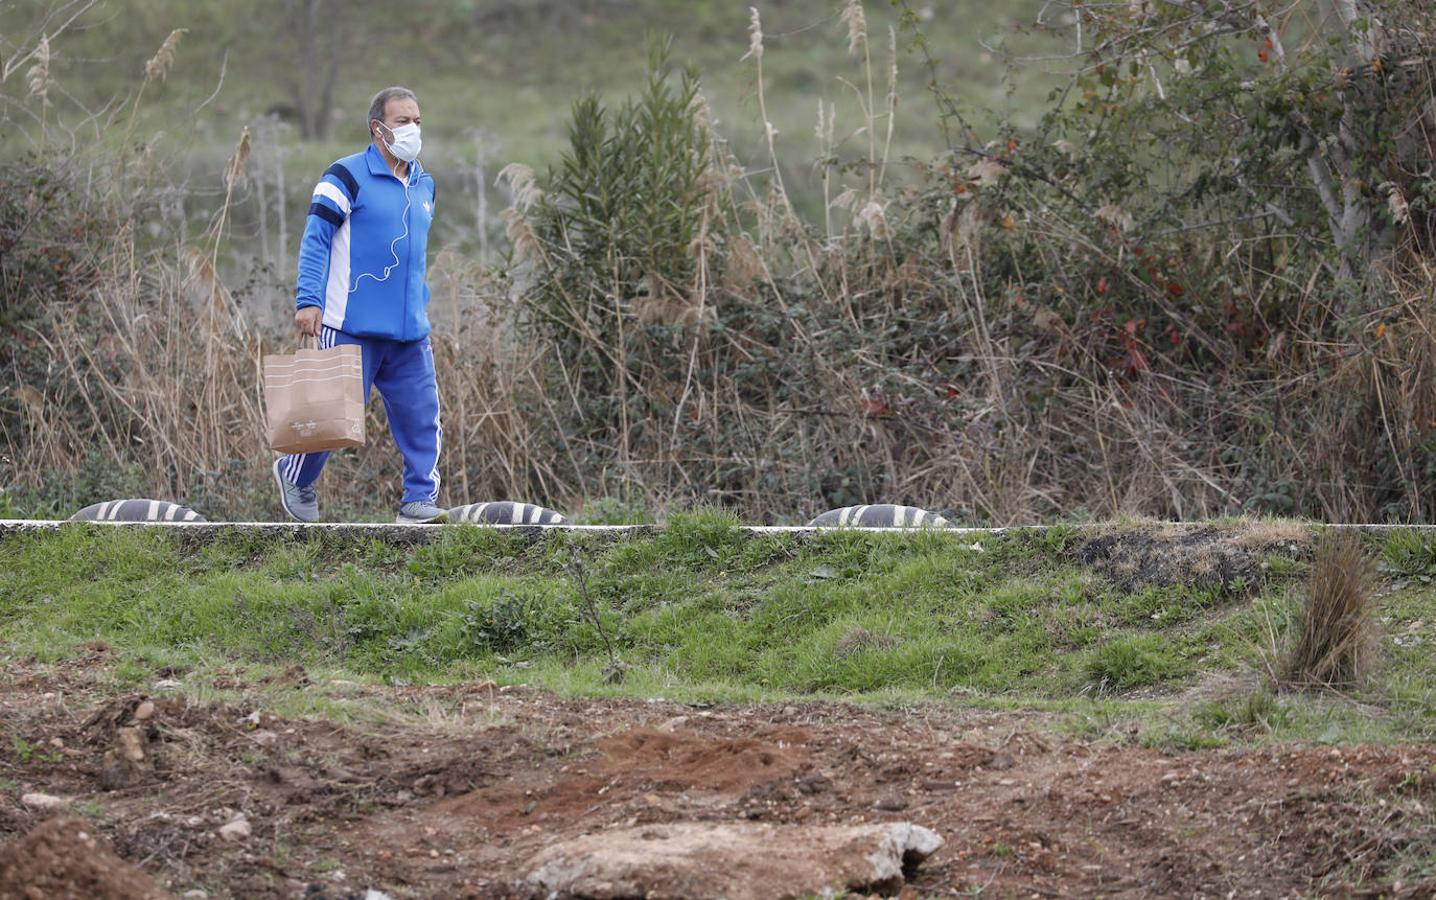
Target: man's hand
point(307, 320)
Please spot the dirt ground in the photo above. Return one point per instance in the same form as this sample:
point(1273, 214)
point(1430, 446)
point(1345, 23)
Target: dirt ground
point(453, 791)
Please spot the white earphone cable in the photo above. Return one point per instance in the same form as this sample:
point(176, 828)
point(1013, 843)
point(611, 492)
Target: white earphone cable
point(392, 246)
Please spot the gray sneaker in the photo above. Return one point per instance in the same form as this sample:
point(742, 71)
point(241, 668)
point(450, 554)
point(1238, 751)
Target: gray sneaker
point(418, 512)
point(301, 503)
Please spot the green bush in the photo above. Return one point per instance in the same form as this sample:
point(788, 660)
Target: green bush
point(500, 626)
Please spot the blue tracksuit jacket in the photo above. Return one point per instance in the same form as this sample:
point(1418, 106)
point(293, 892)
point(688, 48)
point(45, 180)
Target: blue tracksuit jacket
point(362, 256)
point(362, 261)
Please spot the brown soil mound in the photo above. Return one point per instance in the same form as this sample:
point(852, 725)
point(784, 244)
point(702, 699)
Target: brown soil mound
point(64, 858)
point(688, 761)
point(469, 784)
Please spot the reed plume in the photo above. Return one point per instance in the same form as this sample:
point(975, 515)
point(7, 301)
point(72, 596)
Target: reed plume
point(158, 68)
point(37, 77)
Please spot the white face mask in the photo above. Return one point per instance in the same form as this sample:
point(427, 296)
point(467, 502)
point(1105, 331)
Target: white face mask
point(406, 141)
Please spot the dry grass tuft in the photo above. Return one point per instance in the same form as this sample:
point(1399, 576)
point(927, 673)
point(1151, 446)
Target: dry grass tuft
point(1332, 634)
point(755, 35)
point(520, 235)
point(857, 22)
point(521, 184)
point(158, 68)
point(235, 169)
point(874, 220)
point(527, 194)
point(1259, 533)
point(37, 77)
point(859, 640)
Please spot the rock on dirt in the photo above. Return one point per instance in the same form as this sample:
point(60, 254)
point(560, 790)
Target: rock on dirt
point(237, 829)
point(43, 801)
point(735, 861)
point(63, 857)
point(128, 762)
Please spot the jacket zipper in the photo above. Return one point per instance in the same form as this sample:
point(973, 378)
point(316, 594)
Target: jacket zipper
point(409, 250)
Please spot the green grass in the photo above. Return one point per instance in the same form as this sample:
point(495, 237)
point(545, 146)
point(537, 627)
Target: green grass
point(702, 611)
point(512, 70)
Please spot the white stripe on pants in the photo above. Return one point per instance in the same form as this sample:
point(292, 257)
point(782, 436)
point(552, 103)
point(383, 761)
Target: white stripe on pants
point(292, 464)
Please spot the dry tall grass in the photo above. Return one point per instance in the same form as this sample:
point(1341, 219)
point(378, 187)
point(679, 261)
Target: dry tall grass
point(169, 381)
point(1332, 636)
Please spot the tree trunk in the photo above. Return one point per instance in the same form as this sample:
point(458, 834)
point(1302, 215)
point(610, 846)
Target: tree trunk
point(316, 64)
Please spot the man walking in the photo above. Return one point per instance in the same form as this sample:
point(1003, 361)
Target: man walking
point(361, 281)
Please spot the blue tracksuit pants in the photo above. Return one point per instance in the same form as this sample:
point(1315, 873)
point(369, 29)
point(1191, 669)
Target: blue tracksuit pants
point(403, 371)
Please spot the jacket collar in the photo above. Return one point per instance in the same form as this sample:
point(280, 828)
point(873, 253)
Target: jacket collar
point(378, 167)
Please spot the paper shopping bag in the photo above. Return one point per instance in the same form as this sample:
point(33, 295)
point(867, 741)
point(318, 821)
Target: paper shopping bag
point(314, 399)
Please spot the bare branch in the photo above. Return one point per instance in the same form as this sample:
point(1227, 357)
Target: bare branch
point(223, 64)
point(22, 57)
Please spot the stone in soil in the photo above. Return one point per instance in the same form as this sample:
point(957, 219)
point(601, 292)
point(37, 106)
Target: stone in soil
point(236, 830)
point(735, 861)
point(43, 801)
point(127, 762)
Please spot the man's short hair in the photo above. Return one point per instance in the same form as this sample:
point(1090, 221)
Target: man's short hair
point(381, 101)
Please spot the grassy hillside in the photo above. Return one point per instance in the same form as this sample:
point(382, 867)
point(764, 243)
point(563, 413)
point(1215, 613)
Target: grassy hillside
point(512, 68)
point(1163, 629)
point(497, 79)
